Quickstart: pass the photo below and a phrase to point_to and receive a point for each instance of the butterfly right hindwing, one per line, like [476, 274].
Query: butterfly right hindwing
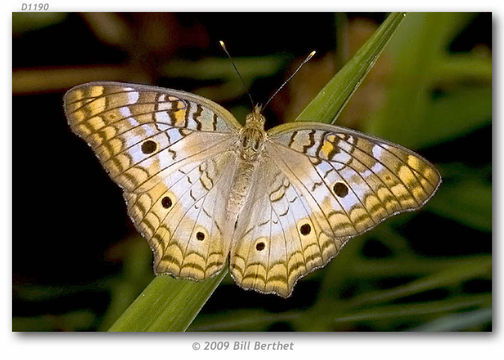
[279, 237]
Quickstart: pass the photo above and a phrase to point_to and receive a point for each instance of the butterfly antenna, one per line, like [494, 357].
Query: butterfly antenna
[310, 55]
[236, 69]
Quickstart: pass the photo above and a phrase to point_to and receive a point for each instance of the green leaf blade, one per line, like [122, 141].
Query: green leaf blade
[167, 304]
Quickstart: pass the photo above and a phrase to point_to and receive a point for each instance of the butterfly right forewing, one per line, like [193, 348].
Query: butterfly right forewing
[357, 180]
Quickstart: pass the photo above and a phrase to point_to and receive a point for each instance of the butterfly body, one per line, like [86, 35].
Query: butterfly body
[202, 189]
[250, 153]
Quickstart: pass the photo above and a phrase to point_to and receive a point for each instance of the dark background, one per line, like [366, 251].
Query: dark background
[77, 260]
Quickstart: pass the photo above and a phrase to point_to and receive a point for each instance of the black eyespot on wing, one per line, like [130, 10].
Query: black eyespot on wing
[305, 229]
[200, 236]
[260, 246]
[149, 146]
[166, 202]
[340, 189]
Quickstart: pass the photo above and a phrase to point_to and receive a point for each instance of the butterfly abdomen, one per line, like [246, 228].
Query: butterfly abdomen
[243, 178]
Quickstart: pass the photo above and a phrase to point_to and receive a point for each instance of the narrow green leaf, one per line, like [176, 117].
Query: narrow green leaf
[220, 68]
[387, 268]
[248, 319]
[29, 21]
[412, 310]
[464, 67]
[331, 100]
[258, 320]
[167, 304]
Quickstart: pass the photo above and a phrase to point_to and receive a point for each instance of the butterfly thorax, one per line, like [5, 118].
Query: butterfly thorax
[252, 136]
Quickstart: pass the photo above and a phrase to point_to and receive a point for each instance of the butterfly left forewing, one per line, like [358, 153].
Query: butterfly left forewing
[141, 134]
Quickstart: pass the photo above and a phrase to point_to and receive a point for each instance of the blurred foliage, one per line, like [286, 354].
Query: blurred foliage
[421, 64]
[428, 271]
[29, 21]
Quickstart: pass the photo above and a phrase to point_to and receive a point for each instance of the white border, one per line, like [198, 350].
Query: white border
[176, 346]
[262, 5]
